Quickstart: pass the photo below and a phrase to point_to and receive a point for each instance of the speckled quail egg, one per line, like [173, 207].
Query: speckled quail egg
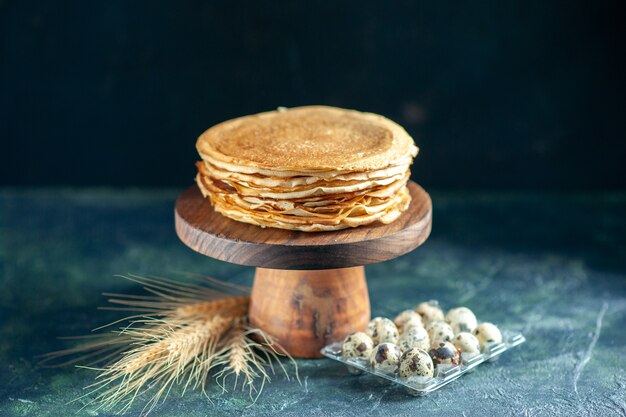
[357, 345]
[461, 319]
[487, 333]
[385, 357]
[466, 343]
[444, 353]
[415, 362]
[439, 330]
[382, 330]
[406, 319]
[411, 323]
[414, 337]
[429, 311]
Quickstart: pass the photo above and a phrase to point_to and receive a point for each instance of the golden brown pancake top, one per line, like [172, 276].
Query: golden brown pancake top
[308, 138]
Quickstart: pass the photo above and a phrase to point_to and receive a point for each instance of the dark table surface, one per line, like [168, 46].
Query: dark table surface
[550, 265]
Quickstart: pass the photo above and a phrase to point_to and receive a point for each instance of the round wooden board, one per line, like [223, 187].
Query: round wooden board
[208, 232]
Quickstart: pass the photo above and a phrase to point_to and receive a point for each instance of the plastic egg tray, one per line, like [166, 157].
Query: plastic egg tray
[444, 374]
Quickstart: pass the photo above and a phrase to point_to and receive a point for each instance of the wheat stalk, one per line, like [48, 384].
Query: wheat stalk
[239, 359]
[181, 332]
[163, 354]
[246, 353]
[175, 299]
[101, 348]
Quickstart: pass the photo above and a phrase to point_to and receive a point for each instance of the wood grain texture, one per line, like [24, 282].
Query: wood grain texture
[208, 232]
[307, 310]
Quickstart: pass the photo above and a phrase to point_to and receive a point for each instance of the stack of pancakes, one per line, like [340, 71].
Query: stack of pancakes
[310, 169]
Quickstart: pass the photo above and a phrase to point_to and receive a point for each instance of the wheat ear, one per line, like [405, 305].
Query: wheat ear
[246, 354]
[238, 358]
[162, 354]
[177, 336]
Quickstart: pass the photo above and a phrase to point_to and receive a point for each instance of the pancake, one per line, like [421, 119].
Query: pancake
[301, 224]
[319, 192]
[407, 160]
[308, 139]
[309, 169]
[299, 180]
[364, 206]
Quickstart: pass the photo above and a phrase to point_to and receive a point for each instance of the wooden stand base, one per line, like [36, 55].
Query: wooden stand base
[306, 310]
[315, 293]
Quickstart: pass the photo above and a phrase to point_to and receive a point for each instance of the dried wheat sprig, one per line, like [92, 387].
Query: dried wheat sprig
[178, 300]
[102, 348]
[200, 286]
[99, 348]
[179, 334]
[163, 353]
[183, 310]
[219, 284]
[238, 358]
[246, 353]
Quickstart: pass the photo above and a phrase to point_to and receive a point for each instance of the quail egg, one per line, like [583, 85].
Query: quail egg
[415, 362]
[385, 357]
[439, 330]
[466, 343]
[406, 319]
[444, 353]
[356, 345]
[429, 311]
[414, 337]
[382, 330]
[487, 333]
[461, 319]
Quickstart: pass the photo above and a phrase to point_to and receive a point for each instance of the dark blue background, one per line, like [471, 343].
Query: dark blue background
[497, 94]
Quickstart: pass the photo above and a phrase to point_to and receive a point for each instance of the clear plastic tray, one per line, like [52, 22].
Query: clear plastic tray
[443, 374]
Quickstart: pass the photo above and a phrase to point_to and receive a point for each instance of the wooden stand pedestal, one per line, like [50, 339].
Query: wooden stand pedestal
[309, 288]
[306, 310]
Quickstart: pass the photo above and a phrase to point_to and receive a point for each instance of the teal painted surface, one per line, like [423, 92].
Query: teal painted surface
[552, 266]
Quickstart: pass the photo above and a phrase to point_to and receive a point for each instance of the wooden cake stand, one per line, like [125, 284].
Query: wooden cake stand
[309, 288]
